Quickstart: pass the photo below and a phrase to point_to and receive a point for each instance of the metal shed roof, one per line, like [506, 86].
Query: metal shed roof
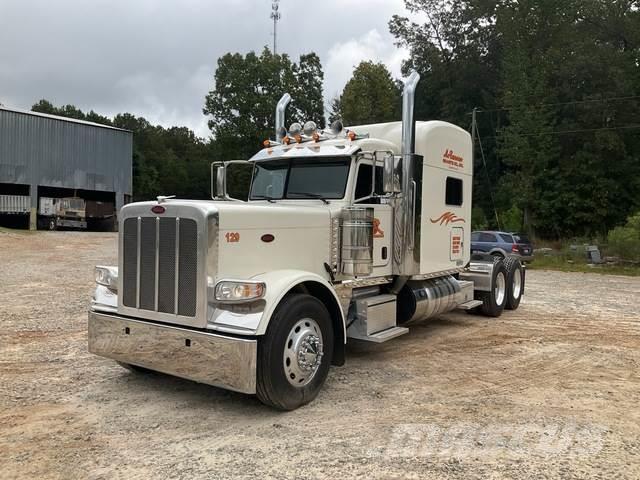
[57, 117]
[51, 151]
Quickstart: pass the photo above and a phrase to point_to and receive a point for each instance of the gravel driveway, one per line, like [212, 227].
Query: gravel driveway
[551, 390]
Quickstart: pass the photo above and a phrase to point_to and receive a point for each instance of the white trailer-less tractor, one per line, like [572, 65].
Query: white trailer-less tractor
[349, 234]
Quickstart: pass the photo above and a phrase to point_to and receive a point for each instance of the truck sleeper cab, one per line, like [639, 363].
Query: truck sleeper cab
[348, 234]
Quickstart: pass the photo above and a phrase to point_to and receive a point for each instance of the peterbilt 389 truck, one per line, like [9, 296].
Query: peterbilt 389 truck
[348, 234]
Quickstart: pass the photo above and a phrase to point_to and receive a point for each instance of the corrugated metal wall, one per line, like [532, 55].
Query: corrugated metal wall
[45, 151]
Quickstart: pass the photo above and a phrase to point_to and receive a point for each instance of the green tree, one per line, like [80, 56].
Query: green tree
[370, 96]
[542, 72]
[165, 161]
[247, 88]
[336, 110]
[44, 106]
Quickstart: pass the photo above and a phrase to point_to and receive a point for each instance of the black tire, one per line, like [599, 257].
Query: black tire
[497, 255]
[491, 306]
[273, 386]
[53, 224]
[134, 368]
[515, 290]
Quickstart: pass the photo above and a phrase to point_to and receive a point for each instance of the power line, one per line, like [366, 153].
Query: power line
[576, 102]
[569, 132]
[476, 135]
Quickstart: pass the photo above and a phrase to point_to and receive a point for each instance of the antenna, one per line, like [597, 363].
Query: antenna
[275, 16]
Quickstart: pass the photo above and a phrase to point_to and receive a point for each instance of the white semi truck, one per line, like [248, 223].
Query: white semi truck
[347, 234]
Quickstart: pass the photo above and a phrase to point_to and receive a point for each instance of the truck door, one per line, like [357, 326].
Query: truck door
[383, 216]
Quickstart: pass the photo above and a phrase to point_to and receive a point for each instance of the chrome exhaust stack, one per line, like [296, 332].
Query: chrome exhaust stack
[408, 124]
[407, 208]
[280, 111]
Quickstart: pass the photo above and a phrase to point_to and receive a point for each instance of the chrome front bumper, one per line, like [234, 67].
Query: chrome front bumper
[209, 358]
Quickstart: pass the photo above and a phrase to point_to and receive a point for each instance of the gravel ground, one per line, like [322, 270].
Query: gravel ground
[549, 391]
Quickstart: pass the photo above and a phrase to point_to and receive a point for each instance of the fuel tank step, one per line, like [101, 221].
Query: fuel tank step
[383, 336]
[470, 305]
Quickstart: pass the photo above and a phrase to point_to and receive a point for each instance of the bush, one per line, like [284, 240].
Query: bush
[478, 219]
[512, 219]
[625, 241]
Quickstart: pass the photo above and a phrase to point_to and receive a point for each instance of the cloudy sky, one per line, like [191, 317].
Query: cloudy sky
[156, 58]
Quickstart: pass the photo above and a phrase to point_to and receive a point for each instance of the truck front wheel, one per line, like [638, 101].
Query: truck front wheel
[294, 356]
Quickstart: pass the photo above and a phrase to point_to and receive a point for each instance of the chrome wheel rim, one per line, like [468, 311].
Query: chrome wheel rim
[303, 352]
[517, 283]
[499, 290]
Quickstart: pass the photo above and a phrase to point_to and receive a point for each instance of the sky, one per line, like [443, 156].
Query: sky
[157, 58]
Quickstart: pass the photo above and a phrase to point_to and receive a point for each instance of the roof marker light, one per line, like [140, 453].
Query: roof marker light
[295, 129]
[310, 128]
[336, 127]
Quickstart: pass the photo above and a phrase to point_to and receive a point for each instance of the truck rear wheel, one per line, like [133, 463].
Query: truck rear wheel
[494, 301]
[515, 282]
[53, 224]
[294, 356]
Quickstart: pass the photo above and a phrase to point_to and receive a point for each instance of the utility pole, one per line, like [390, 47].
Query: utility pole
[275, 16]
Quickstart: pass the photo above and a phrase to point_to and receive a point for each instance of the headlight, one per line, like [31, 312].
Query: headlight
[107, 276]
[232, 291]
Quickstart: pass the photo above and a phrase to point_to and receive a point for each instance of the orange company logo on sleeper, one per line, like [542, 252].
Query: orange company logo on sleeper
[451, 159]
[446, 218]
[377, 231]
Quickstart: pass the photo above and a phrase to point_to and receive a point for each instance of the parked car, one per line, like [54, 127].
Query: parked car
[502, 244]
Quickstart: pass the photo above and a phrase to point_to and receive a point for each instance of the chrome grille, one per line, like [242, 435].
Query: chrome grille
[160, 265]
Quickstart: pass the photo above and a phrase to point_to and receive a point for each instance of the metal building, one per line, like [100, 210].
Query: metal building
[39, 151]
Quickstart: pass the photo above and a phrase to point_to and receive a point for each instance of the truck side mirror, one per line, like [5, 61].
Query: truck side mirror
[392, 173]
[218, 181]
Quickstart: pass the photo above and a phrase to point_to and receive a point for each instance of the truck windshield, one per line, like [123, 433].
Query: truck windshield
[321, 178]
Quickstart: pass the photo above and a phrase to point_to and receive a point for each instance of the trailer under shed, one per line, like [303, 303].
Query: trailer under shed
[46, 155]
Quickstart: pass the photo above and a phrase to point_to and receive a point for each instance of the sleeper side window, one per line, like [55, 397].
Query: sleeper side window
[453, 193]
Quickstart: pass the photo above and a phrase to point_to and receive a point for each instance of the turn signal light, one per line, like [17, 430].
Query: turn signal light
[298, 138]
[266, 143]
[286, 140]
[316, 137]
[351, 135]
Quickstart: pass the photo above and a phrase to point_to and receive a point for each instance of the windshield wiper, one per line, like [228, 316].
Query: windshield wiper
[263, 197]
[310, 195]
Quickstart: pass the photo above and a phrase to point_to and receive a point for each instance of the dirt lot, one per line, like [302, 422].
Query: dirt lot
[549, 391]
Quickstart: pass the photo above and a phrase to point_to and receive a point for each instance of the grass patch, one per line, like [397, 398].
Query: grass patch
[570, 263]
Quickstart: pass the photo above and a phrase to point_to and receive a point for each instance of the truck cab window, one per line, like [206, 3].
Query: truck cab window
[363, 182]
[269, 179]
[322, 178]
